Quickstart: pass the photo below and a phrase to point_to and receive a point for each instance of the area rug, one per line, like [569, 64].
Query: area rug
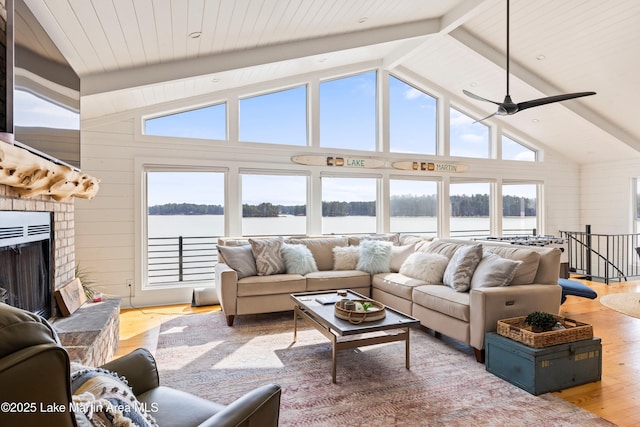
[444, 387]
[626, 302]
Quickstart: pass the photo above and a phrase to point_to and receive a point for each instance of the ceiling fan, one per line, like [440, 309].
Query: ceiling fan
[508, 107]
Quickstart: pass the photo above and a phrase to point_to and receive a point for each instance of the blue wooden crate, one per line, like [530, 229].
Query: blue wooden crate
[542, 370]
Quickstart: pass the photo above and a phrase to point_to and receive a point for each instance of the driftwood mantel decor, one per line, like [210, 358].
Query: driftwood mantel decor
[31, 175]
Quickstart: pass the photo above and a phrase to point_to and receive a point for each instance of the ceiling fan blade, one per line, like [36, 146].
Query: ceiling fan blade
[551, 99]
[478, 98]
[489, 116]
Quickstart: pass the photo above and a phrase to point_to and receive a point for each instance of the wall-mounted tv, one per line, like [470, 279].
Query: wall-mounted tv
[46, 97]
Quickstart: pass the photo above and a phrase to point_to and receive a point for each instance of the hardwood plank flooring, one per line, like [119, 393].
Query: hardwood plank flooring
[616, 397]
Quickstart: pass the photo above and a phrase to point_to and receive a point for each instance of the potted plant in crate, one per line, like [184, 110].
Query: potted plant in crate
[541, 321]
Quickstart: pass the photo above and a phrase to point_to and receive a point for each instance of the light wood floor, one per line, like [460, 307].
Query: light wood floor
[615, 398]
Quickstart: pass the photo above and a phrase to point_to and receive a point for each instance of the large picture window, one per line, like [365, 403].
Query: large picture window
[276, 118]
[274, 204]
[348, 112]
[185, 216]
[348, 205]
[512, 150]
[412, 119]
[413, 206]
[206, 123]
[467, 139]
[519, 209]
[470, 209]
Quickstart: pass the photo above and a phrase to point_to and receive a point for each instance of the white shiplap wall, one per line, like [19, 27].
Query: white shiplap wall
[607, 196]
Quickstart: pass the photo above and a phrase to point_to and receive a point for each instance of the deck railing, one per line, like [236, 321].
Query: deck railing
[188, 259]
[606, 257]
[181, 259]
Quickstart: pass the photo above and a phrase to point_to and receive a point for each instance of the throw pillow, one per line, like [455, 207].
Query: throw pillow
[345, 257]
[268, 257]
[525, 274]
[461, 267]
[399, 255]
[321, 248]
[375, 256]
[425, 266]
[494, 270]
[298, 259]
[107, 397]
[240, 258]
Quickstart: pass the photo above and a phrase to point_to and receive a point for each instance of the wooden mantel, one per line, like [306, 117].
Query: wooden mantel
[31, 175]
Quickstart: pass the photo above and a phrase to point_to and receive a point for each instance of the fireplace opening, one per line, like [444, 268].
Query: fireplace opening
[25, 261]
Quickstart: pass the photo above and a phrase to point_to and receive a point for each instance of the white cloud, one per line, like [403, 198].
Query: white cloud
[413, 93]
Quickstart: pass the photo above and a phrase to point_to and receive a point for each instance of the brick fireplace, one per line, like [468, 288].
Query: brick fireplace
[63, 243]
[91, 334]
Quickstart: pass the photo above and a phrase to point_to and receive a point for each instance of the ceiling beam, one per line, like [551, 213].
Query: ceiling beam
[187, 69]
[451, 20]
[544, 86]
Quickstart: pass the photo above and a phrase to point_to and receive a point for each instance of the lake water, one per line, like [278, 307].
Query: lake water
[213, 225]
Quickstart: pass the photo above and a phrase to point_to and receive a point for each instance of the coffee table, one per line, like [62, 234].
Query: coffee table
[345, 335]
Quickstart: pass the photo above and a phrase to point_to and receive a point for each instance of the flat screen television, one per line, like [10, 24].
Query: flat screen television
[43, 109]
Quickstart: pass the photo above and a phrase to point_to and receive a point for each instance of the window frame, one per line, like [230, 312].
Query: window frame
[538, 222]
[377, 110]
[535, 151]
[145, 169]
[437, 121]
[307, 124]
[490, 131]
[144, 119]
[437, 182]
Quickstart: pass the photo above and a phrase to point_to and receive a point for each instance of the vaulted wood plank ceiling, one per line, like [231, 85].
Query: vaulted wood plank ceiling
[132, 54]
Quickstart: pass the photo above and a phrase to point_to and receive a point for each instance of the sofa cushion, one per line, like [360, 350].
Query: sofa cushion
[526, 272]
[298, 259]
[444, 300]
[461, 267]
[394, 238]
[440, 247]
[409, 239]
[268, 257]
[345, 257]
[321, 248]
[375, 256]
[396, 284]
[399, 255]
[240, 258]
[337, 279]
[272, 284]
[428, 267]
[494, 270]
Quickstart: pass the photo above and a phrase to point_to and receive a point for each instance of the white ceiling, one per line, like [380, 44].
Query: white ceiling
[135, 53]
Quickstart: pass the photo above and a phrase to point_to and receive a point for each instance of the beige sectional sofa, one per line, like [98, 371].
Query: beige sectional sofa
[404, 272]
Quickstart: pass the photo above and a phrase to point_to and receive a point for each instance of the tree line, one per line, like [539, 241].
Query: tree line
[404, 205]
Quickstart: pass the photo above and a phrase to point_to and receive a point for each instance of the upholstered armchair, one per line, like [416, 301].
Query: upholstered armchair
[36, 390]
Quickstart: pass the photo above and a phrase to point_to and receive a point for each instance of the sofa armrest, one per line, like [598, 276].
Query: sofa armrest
[488, 305]
[259, 407]
[227, 288]
[139, 368]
